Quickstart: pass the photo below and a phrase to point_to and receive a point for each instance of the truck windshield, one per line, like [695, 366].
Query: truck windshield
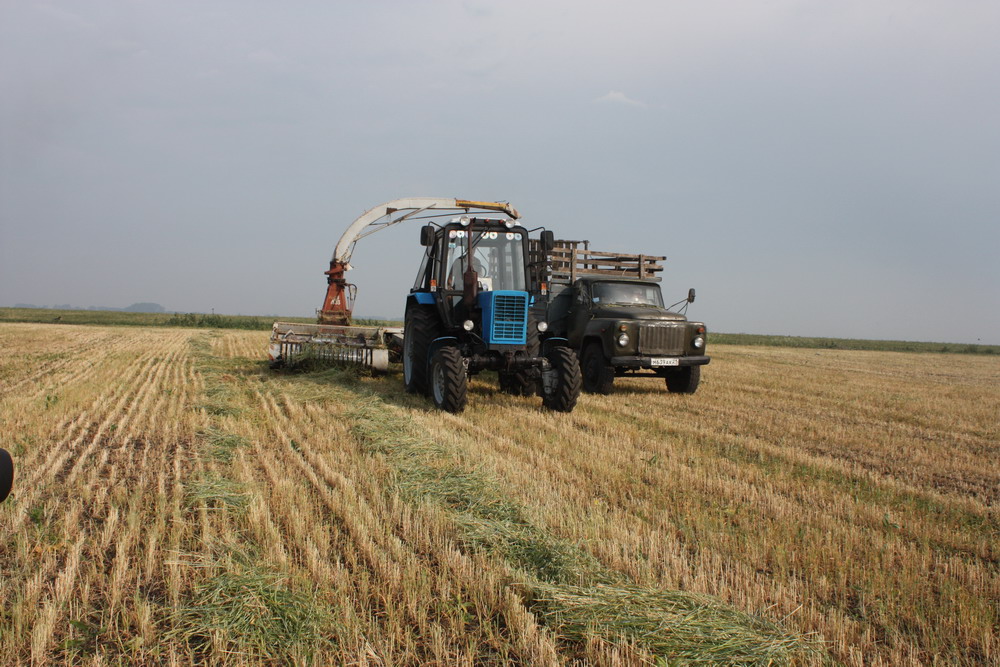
[497, 256]
[627, 294]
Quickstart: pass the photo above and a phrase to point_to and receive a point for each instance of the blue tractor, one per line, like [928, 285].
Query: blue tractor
[475, 307]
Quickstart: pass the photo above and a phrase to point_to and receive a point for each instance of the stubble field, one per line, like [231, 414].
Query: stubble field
[176, 502]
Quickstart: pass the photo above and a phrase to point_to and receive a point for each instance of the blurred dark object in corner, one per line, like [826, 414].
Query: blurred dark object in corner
[6, 474]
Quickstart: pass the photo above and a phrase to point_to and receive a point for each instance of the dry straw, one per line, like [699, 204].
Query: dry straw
[565, 586]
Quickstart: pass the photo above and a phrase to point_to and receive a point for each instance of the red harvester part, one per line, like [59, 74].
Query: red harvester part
[339, 302]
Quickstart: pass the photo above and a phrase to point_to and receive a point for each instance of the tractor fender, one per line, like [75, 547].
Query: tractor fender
[554, 341]
[415, 299]
[437, 344]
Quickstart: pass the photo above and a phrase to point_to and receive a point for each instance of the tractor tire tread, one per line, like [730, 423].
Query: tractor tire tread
[420, 329]
[453, 393]
[563, 398]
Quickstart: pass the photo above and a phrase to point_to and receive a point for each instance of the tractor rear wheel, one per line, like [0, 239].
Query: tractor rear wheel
[562, 396]
[449, 381]
[684, 381]
[598, 376]
[419, 329]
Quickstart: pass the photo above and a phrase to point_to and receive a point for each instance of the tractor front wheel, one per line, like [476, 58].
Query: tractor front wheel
[449, 381]
[561, 394]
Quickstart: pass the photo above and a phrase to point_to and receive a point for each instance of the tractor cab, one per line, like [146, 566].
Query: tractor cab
[475, 271]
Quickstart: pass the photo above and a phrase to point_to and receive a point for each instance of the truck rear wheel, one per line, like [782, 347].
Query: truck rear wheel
[562, 394]
[420, 328]
[598, 376]
[684, 381]
[449, 381]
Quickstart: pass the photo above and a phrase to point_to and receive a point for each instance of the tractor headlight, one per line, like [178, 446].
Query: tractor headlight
[464, 220]
[543, 327]
[509, 224]
[623, 340]
[468, 325]
[698, 342]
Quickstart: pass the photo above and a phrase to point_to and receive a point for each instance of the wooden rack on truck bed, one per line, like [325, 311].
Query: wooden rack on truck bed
[569, 260]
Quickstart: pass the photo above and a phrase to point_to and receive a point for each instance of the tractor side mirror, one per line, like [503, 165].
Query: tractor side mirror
[548, 241]
[427, 235]
[691, 295]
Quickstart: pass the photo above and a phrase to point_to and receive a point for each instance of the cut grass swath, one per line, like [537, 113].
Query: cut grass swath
[251, 612]
[567, 587]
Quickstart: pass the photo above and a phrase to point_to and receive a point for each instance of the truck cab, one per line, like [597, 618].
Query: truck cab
[609, 308]
[620, 326]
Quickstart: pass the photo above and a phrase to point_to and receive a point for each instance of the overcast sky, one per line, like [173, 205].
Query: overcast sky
[812, 168]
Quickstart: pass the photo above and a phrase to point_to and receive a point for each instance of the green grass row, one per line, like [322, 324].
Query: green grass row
[263, 323]
[850, 344]
[121, 318]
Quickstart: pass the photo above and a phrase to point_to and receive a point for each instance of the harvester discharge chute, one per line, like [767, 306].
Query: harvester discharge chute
[334, 338]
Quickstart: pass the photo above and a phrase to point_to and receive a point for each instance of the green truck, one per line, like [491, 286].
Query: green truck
[609, 308]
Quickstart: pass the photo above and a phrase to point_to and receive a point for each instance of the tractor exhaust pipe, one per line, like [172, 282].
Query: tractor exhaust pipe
[470, 279]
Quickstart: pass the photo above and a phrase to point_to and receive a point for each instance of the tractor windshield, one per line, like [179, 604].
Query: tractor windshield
[627, 294]
[497, 256]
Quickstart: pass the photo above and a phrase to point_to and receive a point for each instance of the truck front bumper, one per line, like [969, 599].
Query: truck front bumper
[647, 362]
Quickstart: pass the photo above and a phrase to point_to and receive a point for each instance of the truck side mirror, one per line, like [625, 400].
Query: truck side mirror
[691, 295]
[427, 235]
[548, 241]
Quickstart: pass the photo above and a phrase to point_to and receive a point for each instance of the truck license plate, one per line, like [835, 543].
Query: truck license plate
[666, 361]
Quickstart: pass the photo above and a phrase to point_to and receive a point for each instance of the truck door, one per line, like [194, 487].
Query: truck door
[579, 315]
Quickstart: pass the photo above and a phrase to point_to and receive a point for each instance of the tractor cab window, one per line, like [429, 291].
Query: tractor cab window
[627, 294]
[497, 256]
[422, 277]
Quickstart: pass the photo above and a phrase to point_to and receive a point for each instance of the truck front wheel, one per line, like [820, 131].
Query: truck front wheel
[684, 381]
[449, 381]
[561, 392]
[598, 376]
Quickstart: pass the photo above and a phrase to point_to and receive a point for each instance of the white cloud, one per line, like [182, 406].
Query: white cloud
[618, 97]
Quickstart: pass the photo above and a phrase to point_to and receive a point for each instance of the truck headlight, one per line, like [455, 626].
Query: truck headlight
[623, 340]
[543, 327]
[468, 325]
[698, 342]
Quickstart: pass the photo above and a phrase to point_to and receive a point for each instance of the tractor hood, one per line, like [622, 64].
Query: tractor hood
[636, 313]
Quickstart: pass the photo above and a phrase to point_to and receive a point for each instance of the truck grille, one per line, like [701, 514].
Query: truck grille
[510, 316]
[661, 338]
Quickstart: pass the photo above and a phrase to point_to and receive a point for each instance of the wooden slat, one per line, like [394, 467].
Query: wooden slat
[569, 260]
